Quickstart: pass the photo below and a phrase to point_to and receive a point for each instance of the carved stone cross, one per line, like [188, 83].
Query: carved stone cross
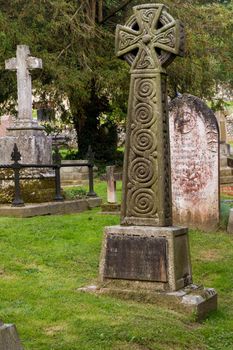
[149, 42]
[23, 63]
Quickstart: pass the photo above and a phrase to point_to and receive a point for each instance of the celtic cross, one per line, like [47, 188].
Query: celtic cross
[149, 42]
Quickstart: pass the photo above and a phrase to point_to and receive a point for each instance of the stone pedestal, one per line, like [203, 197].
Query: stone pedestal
[35, 147]
[9, 339]
[152, 264]
[155, 258]
[111, 208]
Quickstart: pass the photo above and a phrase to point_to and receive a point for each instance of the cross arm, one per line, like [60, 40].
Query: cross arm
[126, 40]
[170, 38]
[34, 62]
[11, 64]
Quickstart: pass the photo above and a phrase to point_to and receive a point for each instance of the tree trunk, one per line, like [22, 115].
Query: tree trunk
[93, 10]
[100, 11]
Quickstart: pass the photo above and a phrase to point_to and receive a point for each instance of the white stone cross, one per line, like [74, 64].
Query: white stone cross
[23, 63]
[111, 184]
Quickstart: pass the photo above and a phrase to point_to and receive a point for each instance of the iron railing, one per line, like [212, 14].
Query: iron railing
[16, 166]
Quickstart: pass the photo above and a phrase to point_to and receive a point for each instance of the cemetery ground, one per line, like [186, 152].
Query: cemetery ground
[44, 260]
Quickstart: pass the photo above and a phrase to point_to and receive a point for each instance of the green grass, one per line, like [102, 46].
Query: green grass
[100, 189]
[44, 260]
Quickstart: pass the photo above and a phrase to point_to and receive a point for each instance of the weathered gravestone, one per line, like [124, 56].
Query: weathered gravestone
[111, 177]
[9, 339]
[194, 139]
[147, 256]
[34, 146]
[226, 172]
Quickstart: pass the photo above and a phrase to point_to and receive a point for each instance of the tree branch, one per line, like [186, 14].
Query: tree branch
[121, 7]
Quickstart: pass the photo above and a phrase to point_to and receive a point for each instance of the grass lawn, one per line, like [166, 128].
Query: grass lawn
[44, 260]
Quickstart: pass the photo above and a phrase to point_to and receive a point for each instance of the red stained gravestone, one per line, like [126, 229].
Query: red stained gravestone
[194, 138]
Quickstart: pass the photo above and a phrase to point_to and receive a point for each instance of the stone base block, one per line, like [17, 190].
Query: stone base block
[195, 300]
[50, 208]
[33, 190]
[145, 258]
[9, 339]
[111, 208]
[35, 147]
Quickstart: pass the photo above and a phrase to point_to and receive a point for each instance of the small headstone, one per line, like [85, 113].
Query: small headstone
[111, 184]
[9, 339]
[111, 207]
[194, 163]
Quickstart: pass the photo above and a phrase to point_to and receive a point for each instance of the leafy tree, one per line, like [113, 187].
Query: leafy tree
[75, 39]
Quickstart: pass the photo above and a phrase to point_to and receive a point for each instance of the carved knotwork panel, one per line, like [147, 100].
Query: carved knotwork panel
[150, 38]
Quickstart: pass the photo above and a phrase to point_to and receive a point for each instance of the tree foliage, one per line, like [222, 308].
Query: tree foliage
[75, 39]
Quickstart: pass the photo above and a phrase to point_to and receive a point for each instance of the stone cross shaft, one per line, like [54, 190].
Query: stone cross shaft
[23, 63]
[149, 42]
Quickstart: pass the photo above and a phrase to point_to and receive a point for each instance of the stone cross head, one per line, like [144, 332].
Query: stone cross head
[22, 64]
[151, 38]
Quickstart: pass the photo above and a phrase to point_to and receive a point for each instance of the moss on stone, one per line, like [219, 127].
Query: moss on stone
[32, 190]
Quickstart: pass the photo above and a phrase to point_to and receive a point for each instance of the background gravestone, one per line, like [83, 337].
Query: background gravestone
[9, 339]
[194, 139]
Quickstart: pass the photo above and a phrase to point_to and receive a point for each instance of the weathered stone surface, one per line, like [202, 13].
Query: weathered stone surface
[221, 119]
[75, 175]
[146, 255]
[229, 127]
[22, 64]
[5, 122]
[111, 208]
[9, 339]
[50, 208]
[33, 190]
[35, 147]
[230, 222]
[146, 178]
[194, 300]
[111, 184]
[194, 163]
[136, 258]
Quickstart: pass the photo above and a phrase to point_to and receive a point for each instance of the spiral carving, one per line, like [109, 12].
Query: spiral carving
[143, 140]
[141, 171]
[144, 114]
[145, 88]
[143, 203]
